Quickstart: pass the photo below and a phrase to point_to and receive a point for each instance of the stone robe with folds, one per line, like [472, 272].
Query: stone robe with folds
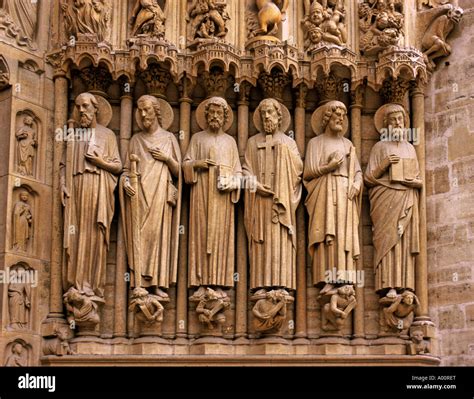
[270, 221]
[89, 211]
[394, 209]
[211, 223]
[158, 214]
[333, 236]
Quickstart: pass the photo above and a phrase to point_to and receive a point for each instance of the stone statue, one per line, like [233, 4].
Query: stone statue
[146, 307]
[342, 301]
[272, 160]
[270, 310]
[418, 346]
[88, 181]
[24, 15]
[82, 309]
[324, 23]
[26, 146]
[211, 306]
[212, 168]
[148, 19]
[4, 79]
[434, 42]
[17, 357]
[381, 25]
[333, 179]
[208, 19]
[19, 301]
[393, 178]
[59, 345]
[87, 17]
[264, 16]
[150, 197]
[398, 312]
[22, 222]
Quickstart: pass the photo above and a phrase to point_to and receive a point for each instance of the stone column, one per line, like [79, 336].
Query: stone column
[120, 316]
[301, 291]
[421, 277]
[241, 296]
[357, 100]
[182, 283]
[60, 120]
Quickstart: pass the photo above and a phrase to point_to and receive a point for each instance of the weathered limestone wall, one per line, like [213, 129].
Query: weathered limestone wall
[450, 173]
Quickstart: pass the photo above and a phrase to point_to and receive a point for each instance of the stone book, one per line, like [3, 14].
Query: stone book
[405, 170]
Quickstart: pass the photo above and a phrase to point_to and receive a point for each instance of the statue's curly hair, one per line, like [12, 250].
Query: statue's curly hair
[155, 103]
[222, 103]
[331, 108]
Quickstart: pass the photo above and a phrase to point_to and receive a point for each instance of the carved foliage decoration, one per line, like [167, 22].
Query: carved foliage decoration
[207, 20]
[4, 74]
[88, 18]
[156, 80]
[381, 25]
[96, 79]
[273, 84]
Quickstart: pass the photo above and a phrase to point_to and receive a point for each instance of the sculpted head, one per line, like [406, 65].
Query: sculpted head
[333, 119]
[28, 120]
[24, 196]
[408, 297]
[346, 290]
[417, 336]
[17, 348]
[271, 114]
[455, 14]
[216, 113]
[316, 13]
[87, 106]
[394, 118]
[149, 111]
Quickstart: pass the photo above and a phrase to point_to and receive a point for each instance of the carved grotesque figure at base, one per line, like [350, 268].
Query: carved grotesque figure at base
[211, 305]
[59, 345]
[398, 312]
[270, 310]
[82, 310]
[334, 313]
[418, 346]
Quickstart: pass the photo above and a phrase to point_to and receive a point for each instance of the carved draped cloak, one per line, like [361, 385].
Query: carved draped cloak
[158, 218]
[270, 221]
[394, 210]
[24, 13]
[332, 216]
[22, 220]
[89, 212]
[211, 220]
[25, 150]
[18, 299]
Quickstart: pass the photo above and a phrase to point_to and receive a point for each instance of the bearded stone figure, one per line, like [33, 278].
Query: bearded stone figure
[333, 179]
[88, 180]
[273, 162]
[393, 178]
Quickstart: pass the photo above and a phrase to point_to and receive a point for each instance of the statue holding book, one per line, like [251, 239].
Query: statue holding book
[393, 178]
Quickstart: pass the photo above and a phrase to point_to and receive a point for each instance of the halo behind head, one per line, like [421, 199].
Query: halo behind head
[386, 109]
[285, 115]
[104, 109]
[201, 113]
[167, 114]
[317, 118]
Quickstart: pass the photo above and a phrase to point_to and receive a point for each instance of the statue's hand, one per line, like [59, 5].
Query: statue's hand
[415, 183]
[129, 190]
[202, 164]
[263, 191]
[64, 194]
[96, 160]
[392, 158]
[353, 192]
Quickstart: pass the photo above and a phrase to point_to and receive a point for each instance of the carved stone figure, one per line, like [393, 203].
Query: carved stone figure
[324, 23]
[24, 15]
[212, 168]
[211, 306]
[393, 178]
[208, 19]
[22, 222]
[333, 179]
[82, 309]
[150, 197]
[398, 311]
[270, 310]
[18, 355]
[19, 300]
[273, 162]
[87, 17]
[434, 43]
[418, 346]
[264, 16]
[148, 19]
[59, 345]
[4, 80]
[147, 307]
[342, 301]
[88, 181]
[381, 25]
[26, 146]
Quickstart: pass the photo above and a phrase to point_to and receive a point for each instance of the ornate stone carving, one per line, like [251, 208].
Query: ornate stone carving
[19, 298]
[82, 309]
[274, 166]
[156, 79]
[211, 305]
[324, 23]
[264, 16]
[147, 19]
[337, 304]
[418, 346]
[4, 80]
[208, 20]
[18, 19]
[394, 90]
[270, 310]
[330, 88]
[381, 25]
[22, 222]
[216, 82]
[59, 345]
[434, 43]
[98, 80]
[26, 137]
[87, 17]
[333, 178]
[150, 198]
[88, 178]
[393, 178]
[273, 84]
[148, 311]
[398, 312]
[16, 354]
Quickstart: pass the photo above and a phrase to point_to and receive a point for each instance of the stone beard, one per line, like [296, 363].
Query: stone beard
[212, 159]
[272, 158]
